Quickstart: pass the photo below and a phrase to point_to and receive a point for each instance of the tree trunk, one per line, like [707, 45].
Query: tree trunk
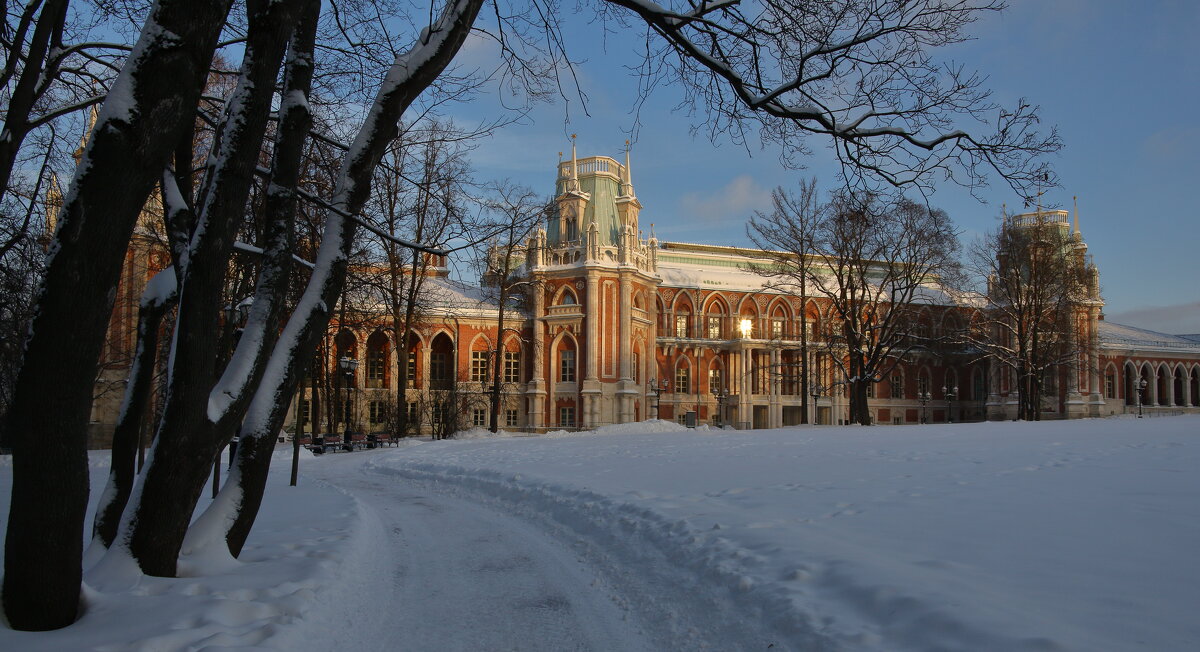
[193, 430]
[129, 148]
[498, 362]
[133, 411]
[304, 329]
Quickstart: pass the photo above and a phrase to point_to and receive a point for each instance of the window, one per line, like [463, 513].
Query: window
[412, 367]
[305, 412]
[412, 409]
[510, 418]
[714, 327]
[441, 413]
[1110, 384]
[572, 229]
[777, 328]
[870, 389]
[512, 366]
[566, 366]
[681, 380]
[978, 385]
[566, 416]
[681, 325]
[479, 366]
[714, 380]
[376, 364]
[922, 384]
[478, 417]
[377, 412]
[437, 367]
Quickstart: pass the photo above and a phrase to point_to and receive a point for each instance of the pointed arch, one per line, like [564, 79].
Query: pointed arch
[379, 352]
[779, 311]
[718, 377]
[442, 373]
[1110, 381]
[565, 363]
[565, 296]
[682, 375]
[716, 322]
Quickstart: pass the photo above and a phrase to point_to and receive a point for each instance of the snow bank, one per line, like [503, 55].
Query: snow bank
[305, 566]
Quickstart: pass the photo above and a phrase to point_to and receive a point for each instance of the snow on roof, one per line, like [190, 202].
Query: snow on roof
[685, 265]
[1113, 335]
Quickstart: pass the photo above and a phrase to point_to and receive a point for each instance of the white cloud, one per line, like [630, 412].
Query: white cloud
[735, 201]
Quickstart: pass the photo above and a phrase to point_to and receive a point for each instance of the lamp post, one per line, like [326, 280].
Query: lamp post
[950, 395]
[720, 394]
[1140, 386]
[654, 387]
[348, 366]
[815, 392]
[924, 398]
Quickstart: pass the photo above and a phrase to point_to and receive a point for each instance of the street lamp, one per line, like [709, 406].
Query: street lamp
[924, 398]
[1140, 386]
[950, 395]
[348, 366]
[654, 387]
[816, 394]
[720, 394]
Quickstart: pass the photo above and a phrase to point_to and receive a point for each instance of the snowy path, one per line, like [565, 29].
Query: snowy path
[471, 578]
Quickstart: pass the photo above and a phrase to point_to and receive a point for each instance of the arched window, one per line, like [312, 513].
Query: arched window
[441, 362]
[567, 298]
[715, 381]
[682, 386]
[377, 359]
[682, 317]
[1195, 387]
[979, 387]
[715, 322]
[512, 362]
[778, 324]
[896, 384]
[566, 361]
[479, 361]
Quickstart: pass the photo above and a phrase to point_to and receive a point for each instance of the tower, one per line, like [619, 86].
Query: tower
[593, 299]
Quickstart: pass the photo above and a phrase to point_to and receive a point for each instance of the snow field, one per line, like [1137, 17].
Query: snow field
[999, 536]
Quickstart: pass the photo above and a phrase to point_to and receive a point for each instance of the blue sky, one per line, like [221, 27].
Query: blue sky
[1121, 80]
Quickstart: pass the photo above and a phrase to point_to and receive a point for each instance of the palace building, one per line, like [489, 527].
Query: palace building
[621, 327]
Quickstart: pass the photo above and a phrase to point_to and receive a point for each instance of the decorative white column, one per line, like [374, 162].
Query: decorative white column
[1096, 399]
[591, 381]
[775, 412]
[626, 390]
[536, 392]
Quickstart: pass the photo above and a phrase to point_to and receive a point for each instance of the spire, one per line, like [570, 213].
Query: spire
[628, 173]
[573, 183]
